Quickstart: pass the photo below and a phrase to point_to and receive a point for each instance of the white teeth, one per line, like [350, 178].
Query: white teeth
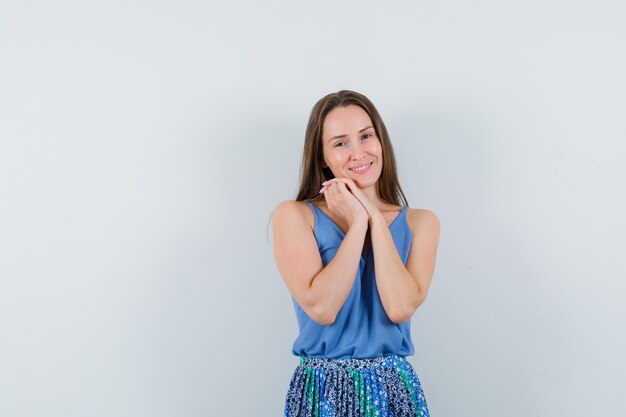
[360, 168]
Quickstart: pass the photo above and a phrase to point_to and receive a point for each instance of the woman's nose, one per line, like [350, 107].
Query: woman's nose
[358, 151]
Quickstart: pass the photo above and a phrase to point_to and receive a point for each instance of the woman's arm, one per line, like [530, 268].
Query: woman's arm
[320, 291]
[403, 289]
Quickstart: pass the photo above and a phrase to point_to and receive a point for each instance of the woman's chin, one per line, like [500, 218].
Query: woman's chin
[362, 185]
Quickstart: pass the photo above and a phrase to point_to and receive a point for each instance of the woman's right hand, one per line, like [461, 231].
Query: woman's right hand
[344, 204]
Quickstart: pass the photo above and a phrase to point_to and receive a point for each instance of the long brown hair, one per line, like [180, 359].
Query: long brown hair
[311, 172]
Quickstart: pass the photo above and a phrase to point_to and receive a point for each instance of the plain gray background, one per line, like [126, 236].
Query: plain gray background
[144, 145]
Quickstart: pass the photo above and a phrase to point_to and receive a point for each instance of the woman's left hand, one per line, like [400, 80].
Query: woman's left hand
[356, 191]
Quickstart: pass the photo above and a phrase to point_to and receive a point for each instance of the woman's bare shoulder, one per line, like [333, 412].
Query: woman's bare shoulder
[291, 205]
[294, 210]
[421, 217]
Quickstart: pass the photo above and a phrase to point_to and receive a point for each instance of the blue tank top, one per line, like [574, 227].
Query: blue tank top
[361, 328]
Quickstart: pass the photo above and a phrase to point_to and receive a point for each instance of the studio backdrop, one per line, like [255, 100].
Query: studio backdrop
[144, 145]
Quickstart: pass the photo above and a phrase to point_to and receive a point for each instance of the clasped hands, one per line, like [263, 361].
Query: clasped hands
[349, 185]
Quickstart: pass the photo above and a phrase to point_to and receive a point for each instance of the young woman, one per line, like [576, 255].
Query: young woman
[357, 263]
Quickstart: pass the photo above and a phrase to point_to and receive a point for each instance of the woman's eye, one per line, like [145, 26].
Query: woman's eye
[365, 136]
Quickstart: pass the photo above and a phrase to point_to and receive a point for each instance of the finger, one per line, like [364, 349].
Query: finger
[345, 180]
[347, 186]
[326, 186]
[335, 189]
[342, 189]
[347, 193]
[332, 195]
[334, 180]
[329, 193]
[330, 181]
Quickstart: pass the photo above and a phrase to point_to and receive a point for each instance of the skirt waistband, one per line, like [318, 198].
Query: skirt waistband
[353, 363]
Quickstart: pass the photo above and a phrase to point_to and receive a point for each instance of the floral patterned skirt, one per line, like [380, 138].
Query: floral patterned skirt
[385, 386]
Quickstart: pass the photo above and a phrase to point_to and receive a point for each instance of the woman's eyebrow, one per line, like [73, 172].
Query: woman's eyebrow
[344, 135]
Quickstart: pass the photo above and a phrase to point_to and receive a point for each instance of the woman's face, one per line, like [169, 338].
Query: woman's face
[349, 141]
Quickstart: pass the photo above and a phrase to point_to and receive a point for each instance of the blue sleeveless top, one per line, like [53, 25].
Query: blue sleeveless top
[361, 328]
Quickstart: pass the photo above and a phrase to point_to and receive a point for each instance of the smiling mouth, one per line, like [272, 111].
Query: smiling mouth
[362, 169]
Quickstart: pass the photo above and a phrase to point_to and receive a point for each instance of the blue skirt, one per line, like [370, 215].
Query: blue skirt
[385, 386]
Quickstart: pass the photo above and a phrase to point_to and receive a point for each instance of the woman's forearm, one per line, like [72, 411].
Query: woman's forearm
[397, 289]
[331, 286]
